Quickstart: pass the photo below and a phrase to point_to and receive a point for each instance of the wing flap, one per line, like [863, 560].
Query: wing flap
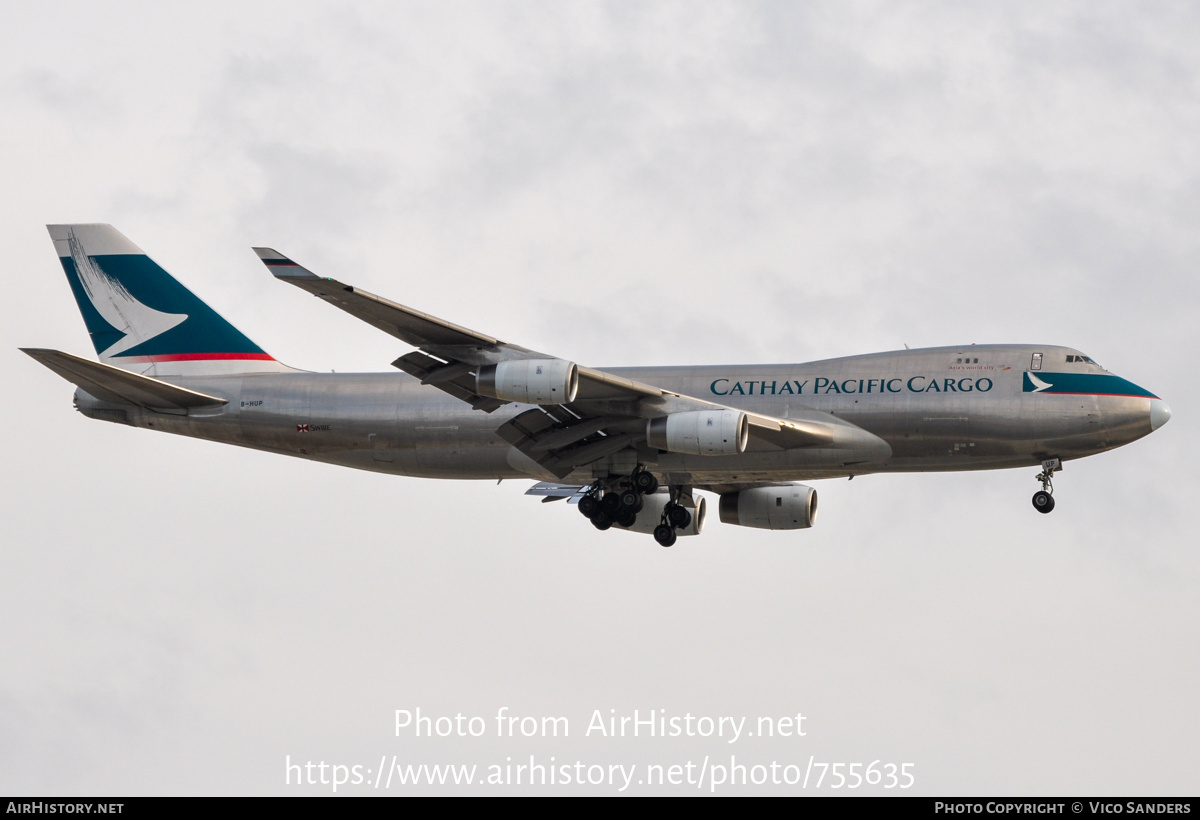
[562, 444]
[566, 436]
[115, 384]
[523, 431]
[455, 378]
[557, 492]
[583, 454]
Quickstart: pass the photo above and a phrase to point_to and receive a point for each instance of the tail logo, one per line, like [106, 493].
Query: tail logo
[117, 306]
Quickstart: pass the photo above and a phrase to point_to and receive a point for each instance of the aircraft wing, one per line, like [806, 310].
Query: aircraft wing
[449, 354]
[412, 326]
[606, 414]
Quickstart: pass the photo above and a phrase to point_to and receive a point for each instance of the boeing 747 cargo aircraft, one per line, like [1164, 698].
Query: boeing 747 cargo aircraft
[631, 447]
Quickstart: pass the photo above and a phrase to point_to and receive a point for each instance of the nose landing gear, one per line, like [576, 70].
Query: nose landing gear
[1043, 500]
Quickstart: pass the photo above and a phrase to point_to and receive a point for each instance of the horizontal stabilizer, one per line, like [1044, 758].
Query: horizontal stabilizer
[115, 384]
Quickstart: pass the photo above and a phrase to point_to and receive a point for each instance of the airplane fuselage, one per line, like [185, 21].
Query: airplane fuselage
[952, 408]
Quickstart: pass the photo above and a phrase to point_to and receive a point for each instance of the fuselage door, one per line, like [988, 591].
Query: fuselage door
[1036, 363]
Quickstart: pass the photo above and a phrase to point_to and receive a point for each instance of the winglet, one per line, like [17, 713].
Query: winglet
[281, 266]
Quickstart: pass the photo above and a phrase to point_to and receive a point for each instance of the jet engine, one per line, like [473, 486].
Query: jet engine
[700, 432]
[791, 507]
[529, 381]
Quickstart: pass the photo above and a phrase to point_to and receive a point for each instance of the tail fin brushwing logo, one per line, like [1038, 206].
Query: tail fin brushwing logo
[117, 306]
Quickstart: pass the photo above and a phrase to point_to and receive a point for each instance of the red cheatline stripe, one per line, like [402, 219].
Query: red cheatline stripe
[198, 357]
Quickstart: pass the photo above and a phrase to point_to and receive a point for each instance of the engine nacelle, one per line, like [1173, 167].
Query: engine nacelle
[530, 381]
[792, 507]
[700, 432]
[652, 510]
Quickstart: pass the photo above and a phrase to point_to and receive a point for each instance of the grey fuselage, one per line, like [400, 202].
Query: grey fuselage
[967, 408]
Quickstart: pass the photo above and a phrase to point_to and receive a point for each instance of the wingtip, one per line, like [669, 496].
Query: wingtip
[38, 353]
[281, 266]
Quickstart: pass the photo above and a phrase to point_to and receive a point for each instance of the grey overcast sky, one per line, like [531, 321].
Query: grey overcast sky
[618, 183]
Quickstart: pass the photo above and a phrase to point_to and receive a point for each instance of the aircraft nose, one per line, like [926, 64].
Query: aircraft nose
[1160, 414]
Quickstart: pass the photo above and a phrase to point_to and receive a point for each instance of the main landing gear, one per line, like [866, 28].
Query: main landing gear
[618, 501]
[674, 517]
[1043, 500]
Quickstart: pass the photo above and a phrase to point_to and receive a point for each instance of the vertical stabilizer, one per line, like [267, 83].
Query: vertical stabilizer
[140, 318]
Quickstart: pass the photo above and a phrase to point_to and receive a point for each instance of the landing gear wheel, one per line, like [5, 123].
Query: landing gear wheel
[602, 520]
[1043, 502]
[631, 500]
[626, 518]
[611, 503]
[679, 516]
[588, 505]
[645, 483]
[664, 534]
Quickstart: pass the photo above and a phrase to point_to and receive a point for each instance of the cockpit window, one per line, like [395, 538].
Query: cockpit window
[1073, 358]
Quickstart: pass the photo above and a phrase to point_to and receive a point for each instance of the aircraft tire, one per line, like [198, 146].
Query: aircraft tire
[664, 534]
[1043, 502]
[588, 505]
[645, 483]
[679, 517]
[602, 520]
